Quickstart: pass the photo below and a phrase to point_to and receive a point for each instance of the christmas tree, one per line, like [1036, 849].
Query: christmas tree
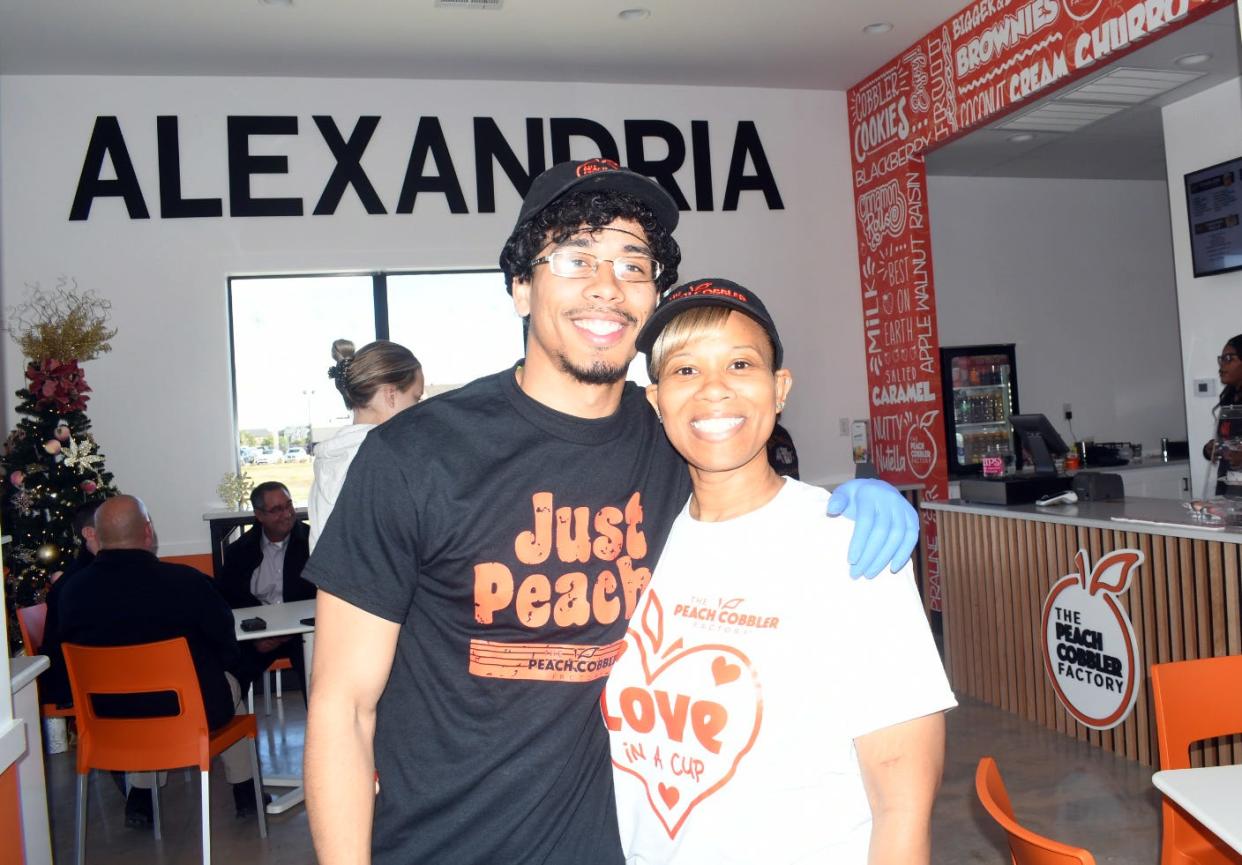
[51, 462]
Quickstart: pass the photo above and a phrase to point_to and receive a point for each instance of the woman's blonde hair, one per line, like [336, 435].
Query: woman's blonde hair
[687, 327]
[358, 375]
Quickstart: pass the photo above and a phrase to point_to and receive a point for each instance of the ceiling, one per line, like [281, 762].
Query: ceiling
[810, 44]
[1128, 145]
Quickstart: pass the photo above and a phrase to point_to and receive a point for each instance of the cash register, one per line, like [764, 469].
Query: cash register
[1041, 441]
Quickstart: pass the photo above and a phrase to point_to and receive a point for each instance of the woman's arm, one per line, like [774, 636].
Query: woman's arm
[901, 767]
[353, 657]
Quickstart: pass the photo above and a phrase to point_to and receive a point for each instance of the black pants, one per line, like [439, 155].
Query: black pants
[255, 663]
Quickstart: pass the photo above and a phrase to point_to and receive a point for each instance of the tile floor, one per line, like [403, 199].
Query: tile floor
[1061, 787]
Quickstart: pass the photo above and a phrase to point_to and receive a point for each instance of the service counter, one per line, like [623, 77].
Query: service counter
[999, 563]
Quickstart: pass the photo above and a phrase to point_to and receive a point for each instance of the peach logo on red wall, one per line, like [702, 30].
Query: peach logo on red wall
[1081, 10]
[921, 450]
[1090, 652]
[686, 727]
[595, 166]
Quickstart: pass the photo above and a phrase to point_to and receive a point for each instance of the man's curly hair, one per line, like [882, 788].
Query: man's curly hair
[566, 216]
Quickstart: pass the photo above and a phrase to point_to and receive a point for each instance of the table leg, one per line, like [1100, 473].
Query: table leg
[297, 793]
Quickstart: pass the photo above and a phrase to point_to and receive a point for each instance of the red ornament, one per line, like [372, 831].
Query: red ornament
[58, 385]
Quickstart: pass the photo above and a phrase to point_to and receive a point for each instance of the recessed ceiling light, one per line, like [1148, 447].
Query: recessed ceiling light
[878, 27]
[634, 14]
[1193, 60]
[1022, 137]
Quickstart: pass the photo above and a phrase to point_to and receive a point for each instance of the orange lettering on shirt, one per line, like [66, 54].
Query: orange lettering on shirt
[532, 607]
[633, 581]
[637, 709]
[674, 716]
[604, 602]
[708, 720]
[493, 590]
[609, 538]
[572, 607]
[635, 540]
[533, 547]
[573, 544]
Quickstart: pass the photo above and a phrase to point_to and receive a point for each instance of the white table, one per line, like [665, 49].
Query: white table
[1212, 795]
[282, 620]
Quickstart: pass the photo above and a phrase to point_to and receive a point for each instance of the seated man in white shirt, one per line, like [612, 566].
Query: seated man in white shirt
[264, 566]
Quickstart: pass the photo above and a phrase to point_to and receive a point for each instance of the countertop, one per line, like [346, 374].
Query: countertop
[1168, 517]
[23, 670]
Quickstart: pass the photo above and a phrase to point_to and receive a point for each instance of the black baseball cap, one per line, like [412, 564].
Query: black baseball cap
[712, 291]
[593, 174]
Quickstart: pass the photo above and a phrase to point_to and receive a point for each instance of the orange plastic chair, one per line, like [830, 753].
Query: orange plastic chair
[150, 744]
[276, 668]
[1025, 847]
[31, 621]
[1194, 700]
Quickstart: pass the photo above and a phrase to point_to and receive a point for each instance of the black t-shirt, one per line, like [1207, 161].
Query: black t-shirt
[511, 542]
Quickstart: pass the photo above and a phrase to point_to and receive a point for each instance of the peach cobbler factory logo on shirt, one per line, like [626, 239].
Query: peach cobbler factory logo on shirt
[575, 568]
[730, 615]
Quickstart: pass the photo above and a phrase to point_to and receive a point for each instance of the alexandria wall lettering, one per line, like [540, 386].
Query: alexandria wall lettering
[431, 169]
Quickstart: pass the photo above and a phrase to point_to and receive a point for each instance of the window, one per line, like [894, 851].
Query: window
[460, 326]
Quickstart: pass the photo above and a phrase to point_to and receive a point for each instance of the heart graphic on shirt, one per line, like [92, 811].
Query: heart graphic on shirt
[724, 672]
[686, 730]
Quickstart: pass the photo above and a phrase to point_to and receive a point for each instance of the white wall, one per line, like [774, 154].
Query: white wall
[1077, 273]
[1199, 131]
[161, 406]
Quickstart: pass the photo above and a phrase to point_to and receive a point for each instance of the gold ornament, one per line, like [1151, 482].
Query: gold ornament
[234, 489]
[62, 323]
[47, 554]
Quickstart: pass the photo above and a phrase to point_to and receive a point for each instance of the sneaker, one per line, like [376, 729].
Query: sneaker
[138, 811]
[243, 798]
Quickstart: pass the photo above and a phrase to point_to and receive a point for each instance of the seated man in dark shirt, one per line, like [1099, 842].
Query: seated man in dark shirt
[127, 596]
[54, 684]
[264, 566]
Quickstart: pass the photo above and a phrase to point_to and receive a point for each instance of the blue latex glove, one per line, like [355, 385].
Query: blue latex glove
[886, 526]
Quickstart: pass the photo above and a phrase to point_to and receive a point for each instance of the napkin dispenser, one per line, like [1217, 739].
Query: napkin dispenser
[1098, 486]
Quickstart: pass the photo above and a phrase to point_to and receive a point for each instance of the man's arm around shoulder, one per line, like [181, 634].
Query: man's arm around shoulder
[353, 656]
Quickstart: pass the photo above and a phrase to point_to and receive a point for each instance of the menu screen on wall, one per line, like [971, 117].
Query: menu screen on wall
[1215, 210]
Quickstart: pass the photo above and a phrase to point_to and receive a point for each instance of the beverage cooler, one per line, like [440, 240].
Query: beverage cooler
[980, 387]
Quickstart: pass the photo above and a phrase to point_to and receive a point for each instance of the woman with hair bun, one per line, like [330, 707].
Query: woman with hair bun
[377, 381]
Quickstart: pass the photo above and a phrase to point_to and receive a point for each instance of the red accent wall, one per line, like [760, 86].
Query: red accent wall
[988, 60]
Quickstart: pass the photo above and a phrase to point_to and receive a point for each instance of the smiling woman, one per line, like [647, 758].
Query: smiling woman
[750, 587]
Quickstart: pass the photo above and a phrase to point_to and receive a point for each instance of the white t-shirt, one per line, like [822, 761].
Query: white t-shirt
[751, 664]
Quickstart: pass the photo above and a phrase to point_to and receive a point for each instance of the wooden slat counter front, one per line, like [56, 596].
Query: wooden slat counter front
[998, 564]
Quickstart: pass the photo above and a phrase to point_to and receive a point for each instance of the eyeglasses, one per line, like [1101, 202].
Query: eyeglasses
[583, 265]
[283, 508]
[1223, 359]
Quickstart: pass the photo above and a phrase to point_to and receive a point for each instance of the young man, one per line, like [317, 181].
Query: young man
[484, 557]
